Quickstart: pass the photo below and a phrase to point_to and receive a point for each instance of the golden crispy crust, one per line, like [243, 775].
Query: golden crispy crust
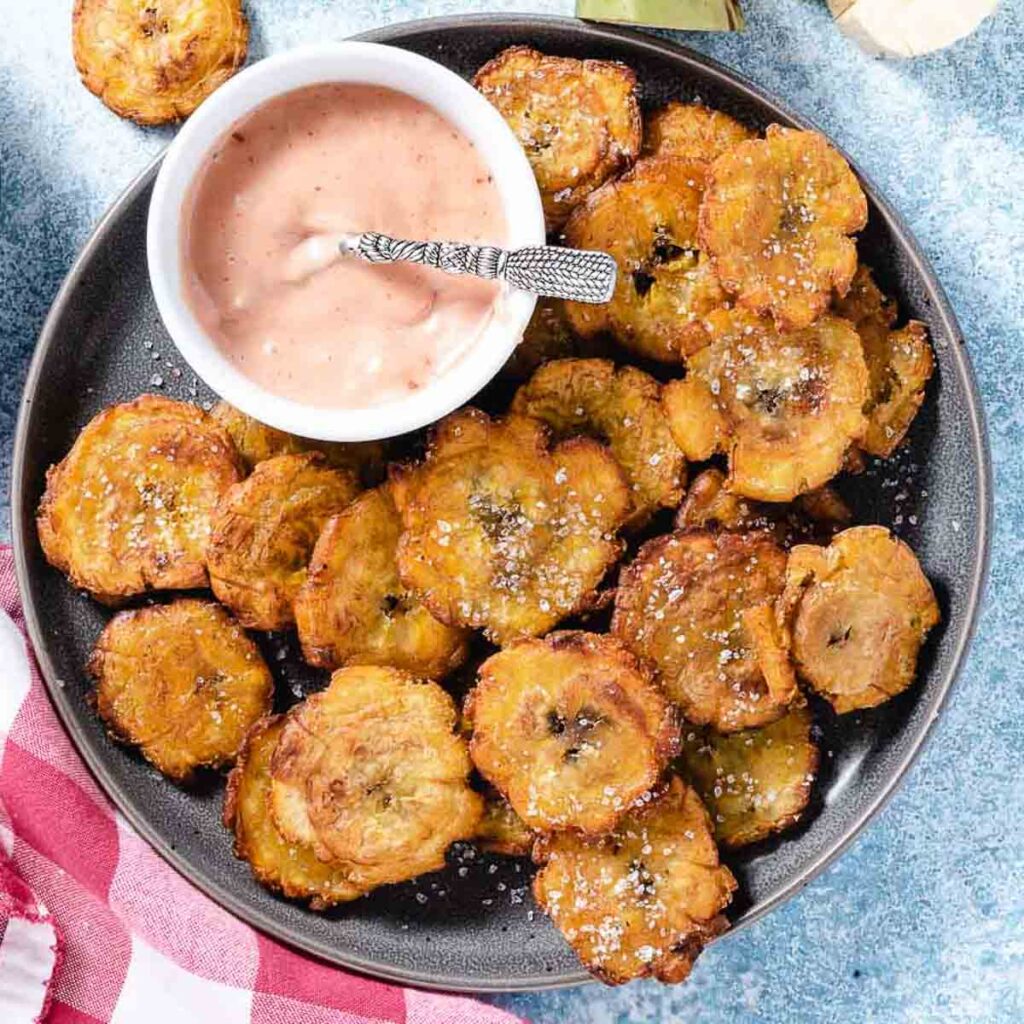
[264, 532]
[700, 606]
[621, 406]
[291, 869]
[571, 729]
[157, 61]
[577, 120]
[900, 363]
[256, 442]
[784, 408]
[353, 609]
[371, 772]
[503, 534]
[129, 508]
[693, 132]
[756, 782]
[776, 218]
[813, 517]
[858, 612]
[647, 220]
[644, 900]
[501, 830]
[182, 682]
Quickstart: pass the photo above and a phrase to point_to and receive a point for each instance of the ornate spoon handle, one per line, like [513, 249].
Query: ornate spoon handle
[576, 274]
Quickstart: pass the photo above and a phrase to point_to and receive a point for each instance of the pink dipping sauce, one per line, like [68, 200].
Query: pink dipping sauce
[321, 161]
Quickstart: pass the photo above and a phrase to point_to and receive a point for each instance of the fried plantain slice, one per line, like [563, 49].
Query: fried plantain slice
[157, 61]
[264, 531]
[644, 900]
[501, 533]
[647, 220]
[182, 682]
[785, 408]
[353, 609]
[813, 517]
[700, 607]
[754, 782]
[501, 830]
[858, 612]
[900, 363]
[620, 406]
[577, 120]
[693, 132]
[256, 442]
[129, 508]
[371, 772]
[776, 219]
[289, 868]
[571, 729]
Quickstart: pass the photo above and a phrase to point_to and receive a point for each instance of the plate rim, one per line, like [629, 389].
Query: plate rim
[23, 533]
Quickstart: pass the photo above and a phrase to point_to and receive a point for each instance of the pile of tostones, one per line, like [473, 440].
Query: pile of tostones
[631, 715]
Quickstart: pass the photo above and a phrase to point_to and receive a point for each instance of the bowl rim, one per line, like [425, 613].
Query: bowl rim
[354, 61]
[23, 533]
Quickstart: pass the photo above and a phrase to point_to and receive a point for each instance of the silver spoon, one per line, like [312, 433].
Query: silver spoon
[576, 274]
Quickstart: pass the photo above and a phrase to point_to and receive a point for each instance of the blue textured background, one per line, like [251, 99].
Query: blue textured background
[923, 920]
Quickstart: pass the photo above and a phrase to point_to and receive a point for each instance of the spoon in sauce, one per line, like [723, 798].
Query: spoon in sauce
[579, 275]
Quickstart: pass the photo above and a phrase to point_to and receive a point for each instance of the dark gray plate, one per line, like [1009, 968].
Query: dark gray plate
[470, 927]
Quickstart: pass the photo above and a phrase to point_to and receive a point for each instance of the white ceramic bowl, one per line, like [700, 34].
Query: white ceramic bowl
[373, 64]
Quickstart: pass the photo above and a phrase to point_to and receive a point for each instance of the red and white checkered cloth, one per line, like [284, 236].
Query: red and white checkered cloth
[95, 927]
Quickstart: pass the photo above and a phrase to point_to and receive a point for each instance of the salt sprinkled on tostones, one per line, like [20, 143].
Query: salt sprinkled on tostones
[571, 729]
[693, 132]
[900, 363]
[157, 61]
[753, 783]
[776, 220]
[371, 772]
[256, 442]
[858, 612]
[353, 609]
[182, 682]
[647, 220]
[701, 608]
[813, 517]
[503, 534]
[291, 869]
[264, 532]
[577, 120]
[501, 830]
[784, 408]
[130, 507]
[620, 406]
[643, 901]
